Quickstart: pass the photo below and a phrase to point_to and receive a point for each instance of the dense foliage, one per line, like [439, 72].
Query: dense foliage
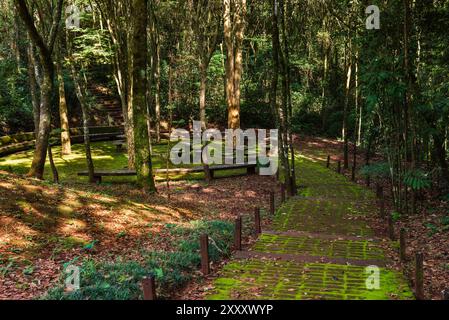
[309, 67]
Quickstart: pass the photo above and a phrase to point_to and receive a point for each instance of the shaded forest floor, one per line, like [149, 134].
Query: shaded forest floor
[43, 226]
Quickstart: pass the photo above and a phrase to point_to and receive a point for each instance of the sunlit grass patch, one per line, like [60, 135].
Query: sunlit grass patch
[105, 157]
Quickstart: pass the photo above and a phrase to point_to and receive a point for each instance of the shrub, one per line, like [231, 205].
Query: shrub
[120, 280]
[417, 180]
[379, 170]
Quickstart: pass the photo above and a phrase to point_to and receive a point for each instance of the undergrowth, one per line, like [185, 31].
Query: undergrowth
[120, 280]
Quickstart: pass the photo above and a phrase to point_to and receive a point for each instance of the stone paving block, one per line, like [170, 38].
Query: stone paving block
[324, 216]
[349, 249]
[269, 280]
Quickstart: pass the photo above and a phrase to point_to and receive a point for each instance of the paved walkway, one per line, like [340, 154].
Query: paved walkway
[319, 247]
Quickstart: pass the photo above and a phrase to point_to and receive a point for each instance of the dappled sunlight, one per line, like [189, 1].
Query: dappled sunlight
[6, 185]
[41, 221]
[43, 212]
[71, 226]
[313, 159]
[16, 233]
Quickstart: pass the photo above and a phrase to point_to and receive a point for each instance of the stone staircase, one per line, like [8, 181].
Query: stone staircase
[108, 109]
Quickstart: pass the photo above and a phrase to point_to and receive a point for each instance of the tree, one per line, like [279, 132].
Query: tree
[138, 92]
[281, 110]
[154, 80]
[206, 22]
[234, 15]
[66, 146]
[45, 44]
[119, 30]
[33, 84]
[79, 80]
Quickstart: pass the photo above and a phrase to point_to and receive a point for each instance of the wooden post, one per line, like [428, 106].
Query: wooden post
[390, 227]
[403, 248]
[368, 181]
[445, 294]
[204, 245]
[354, 159]
[353, 174]
[339, 167]
[419, 276]
[282, 193]
[251, 170]
[272, 208]
[258, 227]
[382, 205]
[208, 173]
[238, 234]
[328, 164]
[379, 190]
[149, 288]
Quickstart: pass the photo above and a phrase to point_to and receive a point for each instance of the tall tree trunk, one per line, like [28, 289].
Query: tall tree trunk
[66, 146]
[287, 101]
[81, 95]
[359, 106]
[119, 30]
[205, 24]
[16, 42]
[34, 89]
[240, 14]
[40, 152]
[233, 114]
[45, 55]
[203, 83]
[130, 138]
[138, 96]
[279, 111]
[345, 118]
[409, 76]
[54, 170]
[234, 14]
[155, 76]
[157, 93]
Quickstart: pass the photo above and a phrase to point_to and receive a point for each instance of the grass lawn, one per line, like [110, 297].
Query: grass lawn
[105, 157]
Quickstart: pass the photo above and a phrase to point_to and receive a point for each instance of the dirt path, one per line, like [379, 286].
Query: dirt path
[319, 246]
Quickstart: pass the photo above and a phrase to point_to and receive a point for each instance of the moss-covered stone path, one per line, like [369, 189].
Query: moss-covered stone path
[319, 247]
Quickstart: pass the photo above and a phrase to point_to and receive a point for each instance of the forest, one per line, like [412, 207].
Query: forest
[92, 92]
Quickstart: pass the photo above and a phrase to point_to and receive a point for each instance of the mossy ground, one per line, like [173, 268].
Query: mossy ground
[330, 210]
[349, 249]
[282, 280]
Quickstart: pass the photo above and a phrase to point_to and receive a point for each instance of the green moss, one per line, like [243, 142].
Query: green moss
[332, 216]
[288, 280]
[328, 204]
[349, 249]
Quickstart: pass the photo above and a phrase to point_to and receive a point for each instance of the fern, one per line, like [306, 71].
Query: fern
[417, 179]
[376, 170]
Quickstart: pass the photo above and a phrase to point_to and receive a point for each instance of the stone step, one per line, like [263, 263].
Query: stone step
[306, 258]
